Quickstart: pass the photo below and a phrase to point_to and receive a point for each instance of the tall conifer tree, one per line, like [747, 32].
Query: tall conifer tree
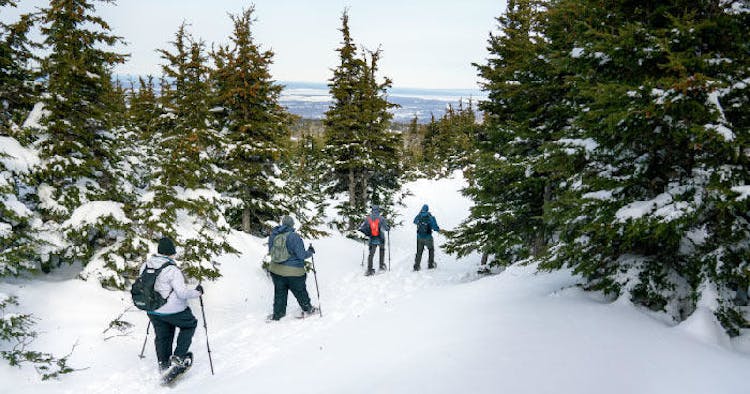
[363, 152]
[182, 202]
[257, 126]
[77, 174]
[657, 212]
[512, 181]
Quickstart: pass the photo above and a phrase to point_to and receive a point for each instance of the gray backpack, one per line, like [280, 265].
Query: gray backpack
[279, 252]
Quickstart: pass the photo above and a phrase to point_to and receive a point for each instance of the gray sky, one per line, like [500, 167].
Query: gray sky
[425, 43]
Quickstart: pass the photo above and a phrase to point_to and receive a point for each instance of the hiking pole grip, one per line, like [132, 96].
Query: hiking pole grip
[317, 289]
[205, 327]
[143, 349]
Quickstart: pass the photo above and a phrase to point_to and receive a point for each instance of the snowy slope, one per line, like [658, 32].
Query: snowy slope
[441, 331]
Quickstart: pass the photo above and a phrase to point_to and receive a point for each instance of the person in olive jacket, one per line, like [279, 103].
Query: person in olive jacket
[287, 268]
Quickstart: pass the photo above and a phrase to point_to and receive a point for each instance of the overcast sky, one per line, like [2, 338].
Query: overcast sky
[425, 43]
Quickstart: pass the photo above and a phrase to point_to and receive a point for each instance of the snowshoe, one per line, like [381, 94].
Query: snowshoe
[178, 367]
[313, 311]
[270, 319]
[370, 272]
[416, 267]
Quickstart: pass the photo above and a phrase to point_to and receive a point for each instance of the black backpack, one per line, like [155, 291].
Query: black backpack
[145, 297]
[423, 225]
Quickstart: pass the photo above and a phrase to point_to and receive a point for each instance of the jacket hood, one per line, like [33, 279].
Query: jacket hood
[425, 208]
[156, 261]
[281, 229]
[375, 210]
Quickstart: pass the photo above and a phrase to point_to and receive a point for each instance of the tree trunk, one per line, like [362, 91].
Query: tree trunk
[246, 219]
[364, 189]
[352, 195]
[540, 243]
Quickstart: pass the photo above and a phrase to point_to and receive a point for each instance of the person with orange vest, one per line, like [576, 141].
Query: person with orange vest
[375, 227]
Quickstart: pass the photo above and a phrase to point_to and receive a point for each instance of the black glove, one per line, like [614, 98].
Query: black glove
[199, 288]
[311, 249]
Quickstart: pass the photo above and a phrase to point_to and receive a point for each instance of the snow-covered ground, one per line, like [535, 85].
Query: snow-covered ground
[441, 331]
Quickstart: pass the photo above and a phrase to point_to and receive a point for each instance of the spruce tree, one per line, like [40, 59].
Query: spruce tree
[17, 237]
[363, 152]
[449, 142]
[181, 201]
[657, 211]
[17, 78]
[303, 172]
[512, 180]
[77, 189]
[256, 127]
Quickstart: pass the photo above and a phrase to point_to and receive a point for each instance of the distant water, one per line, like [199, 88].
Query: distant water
[311, 100]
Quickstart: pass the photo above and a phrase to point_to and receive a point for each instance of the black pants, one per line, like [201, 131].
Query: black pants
[281, 287]
[430, 244]
[372, 253]
[164, 327]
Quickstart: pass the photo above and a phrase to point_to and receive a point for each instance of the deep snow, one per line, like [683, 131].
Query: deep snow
[442, 331]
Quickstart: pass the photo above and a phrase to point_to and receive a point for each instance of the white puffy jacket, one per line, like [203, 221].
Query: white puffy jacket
[170, 280]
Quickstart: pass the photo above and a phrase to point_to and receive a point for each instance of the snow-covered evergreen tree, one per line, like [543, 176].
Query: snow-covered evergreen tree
[303, 174]
[17, 239]
[76, 188]
[658, 211]
[363, 152]
[511, 179]
[181, 201]
[449, 143]
[256, 127]
[16, 76]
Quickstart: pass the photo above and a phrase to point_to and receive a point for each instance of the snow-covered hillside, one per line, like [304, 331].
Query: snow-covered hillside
[442, 331]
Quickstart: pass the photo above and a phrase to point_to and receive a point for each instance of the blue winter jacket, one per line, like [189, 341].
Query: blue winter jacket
[433, 223]
[294, 245]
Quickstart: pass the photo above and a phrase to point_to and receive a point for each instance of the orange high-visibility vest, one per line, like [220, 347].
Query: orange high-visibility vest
[374, 226]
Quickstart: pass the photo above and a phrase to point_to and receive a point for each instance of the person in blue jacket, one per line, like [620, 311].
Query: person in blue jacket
[287, 268]
[426, 224]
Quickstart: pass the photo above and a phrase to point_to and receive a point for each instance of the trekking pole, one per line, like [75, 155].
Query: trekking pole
[315, 275]
[364, 246]
[143, 349]
[205, 327]
[389, 250]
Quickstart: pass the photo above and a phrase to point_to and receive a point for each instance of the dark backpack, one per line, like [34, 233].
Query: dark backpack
[145, 297]
[423, 225]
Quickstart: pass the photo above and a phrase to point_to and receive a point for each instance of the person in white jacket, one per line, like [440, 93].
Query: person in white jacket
[175, 313]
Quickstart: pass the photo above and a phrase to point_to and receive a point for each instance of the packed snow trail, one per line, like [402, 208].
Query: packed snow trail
[436, 331]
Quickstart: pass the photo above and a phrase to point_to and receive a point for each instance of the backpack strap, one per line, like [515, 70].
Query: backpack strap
[165, 265]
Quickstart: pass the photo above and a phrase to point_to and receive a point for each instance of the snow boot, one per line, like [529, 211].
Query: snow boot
[313, 310]
[370, 272]
[431, 266]
[178, 366]
[383, 267]
[416, 267]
